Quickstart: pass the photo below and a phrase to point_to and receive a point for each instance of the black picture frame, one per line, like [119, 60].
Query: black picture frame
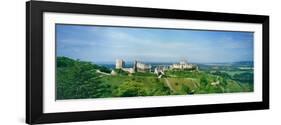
[34, 61]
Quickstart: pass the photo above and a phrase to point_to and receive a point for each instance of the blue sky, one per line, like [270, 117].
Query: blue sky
[106, 44]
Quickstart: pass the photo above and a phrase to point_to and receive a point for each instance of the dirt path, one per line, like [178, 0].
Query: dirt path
[169, 85]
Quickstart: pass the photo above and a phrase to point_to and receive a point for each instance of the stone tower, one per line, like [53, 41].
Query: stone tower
[119, 64]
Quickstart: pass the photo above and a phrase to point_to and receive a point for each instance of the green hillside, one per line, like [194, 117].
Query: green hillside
[77, 79]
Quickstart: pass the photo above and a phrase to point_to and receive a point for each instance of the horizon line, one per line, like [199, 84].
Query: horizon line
[104, 62]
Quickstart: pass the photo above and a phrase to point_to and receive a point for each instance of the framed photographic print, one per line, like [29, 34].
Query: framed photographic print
[95, 62]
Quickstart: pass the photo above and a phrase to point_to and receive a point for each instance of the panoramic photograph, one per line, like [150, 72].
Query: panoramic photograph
[110, 61]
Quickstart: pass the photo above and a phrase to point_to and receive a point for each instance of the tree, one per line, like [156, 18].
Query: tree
[78, 79]
[204, 80]
[185, 89]
[104, 69]
[130, 89]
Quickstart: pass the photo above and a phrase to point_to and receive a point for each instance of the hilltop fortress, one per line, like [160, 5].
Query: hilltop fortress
[183, 65]
[142, 67]
[137, 67]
